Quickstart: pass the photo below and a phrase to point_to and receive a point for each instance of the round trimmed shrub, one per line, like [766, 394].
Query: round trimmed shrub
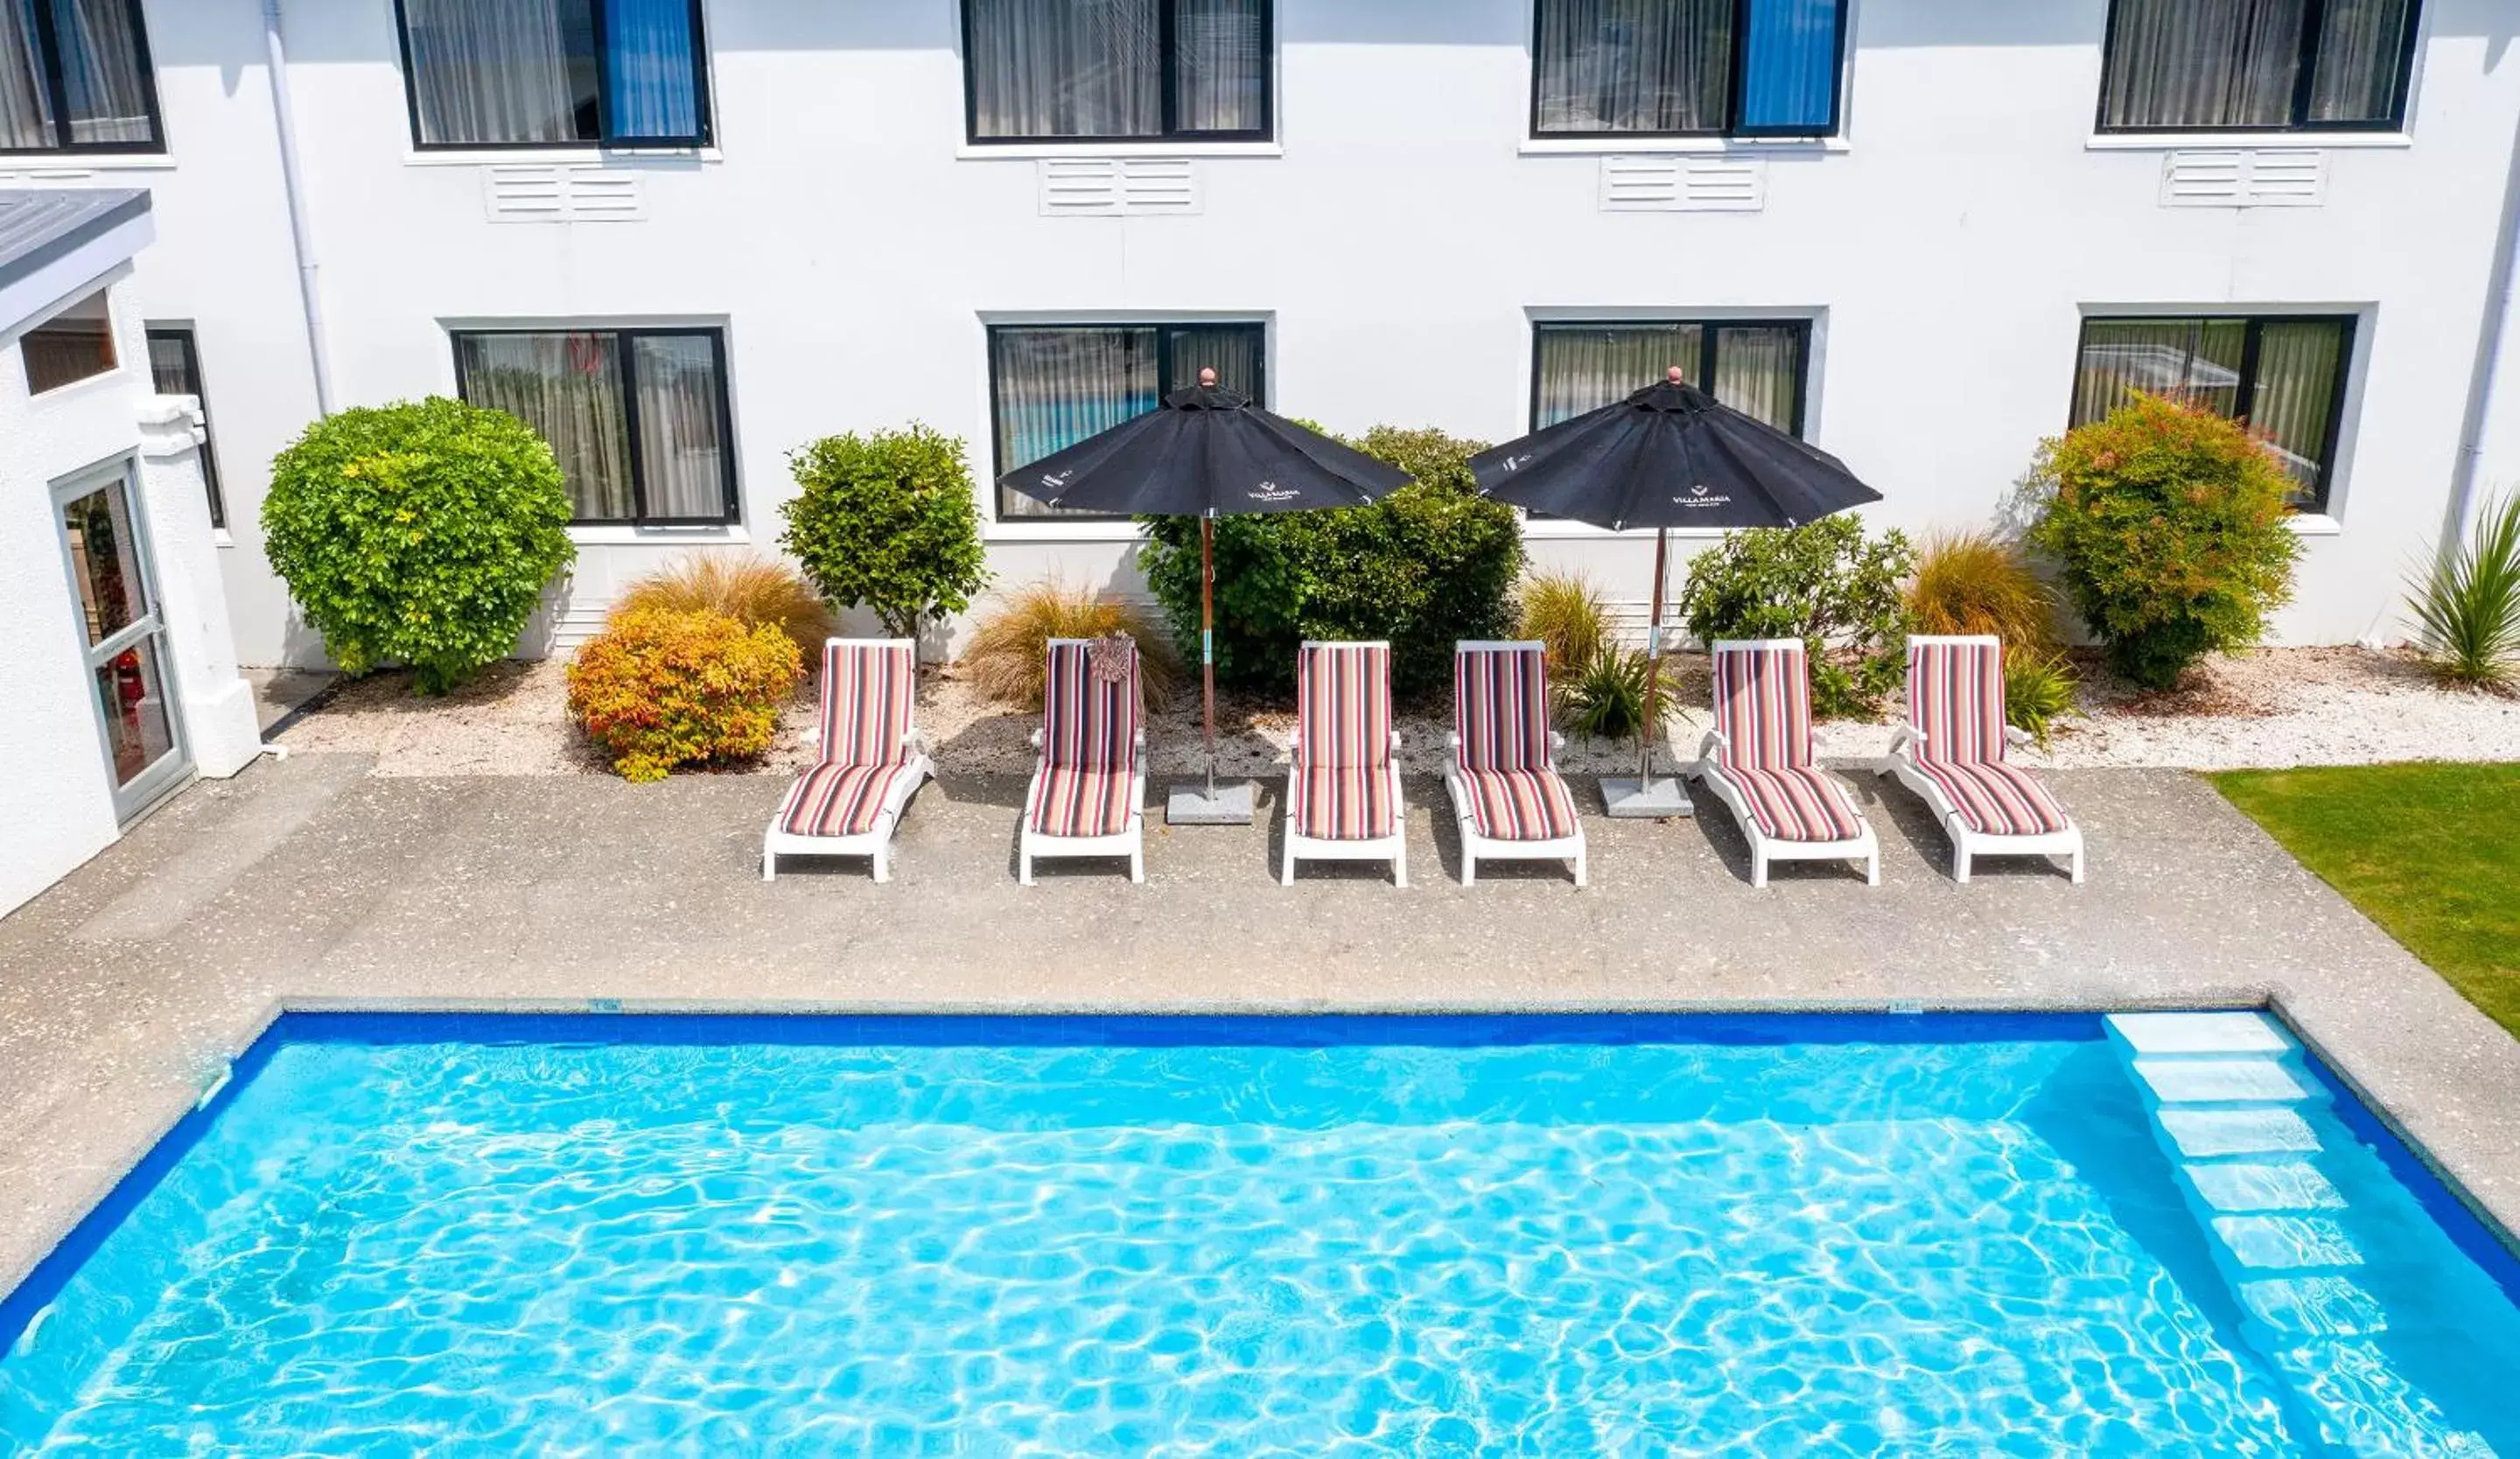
[887, 521]
[1432, 562]
[659, 688]
[420, 533]
[2169, 526]
[1824, 582]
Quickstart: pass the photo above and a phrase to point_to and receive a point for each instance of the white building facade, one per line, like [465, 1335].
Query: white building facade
[687, 236]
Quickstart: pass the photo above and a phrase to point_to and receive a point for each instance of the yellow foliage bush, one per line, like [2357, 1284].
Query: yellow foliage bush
[659, 688]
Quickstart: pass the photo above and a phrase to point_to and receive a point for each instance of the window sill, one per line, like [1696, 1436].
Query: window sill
[221, 537]
[987, 152]
[604, 535]
[42, 165]
[1627, 146]
[2229, 140]
[545, 157]
[2314, 524]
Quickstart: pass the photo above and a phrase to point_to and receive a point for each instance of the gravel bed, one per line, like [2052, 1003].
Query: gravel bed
[2268, 707]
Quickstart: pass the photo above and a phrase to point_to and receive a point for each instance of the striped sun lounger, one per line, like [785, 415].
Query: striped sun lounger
[1508, 795]
[873, 759]
[1344, 790]
[1758, 761]
[1088, 789]
[1951, 753]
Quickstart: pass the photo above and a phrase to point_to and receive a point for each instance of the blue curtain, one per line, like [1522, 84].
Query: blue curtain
[653, 53]
[1789, 73]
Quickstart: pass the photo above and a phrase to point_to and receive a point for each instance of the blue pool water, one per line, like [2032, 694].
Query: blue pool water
[1774, 1234]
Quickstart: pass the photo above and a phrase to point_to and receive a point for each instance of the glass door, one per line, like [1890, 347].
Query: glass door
[123, 636]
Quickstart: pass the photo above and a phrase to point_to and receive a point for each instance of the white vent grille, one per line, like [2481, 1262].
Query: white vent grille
[568, 194]
[1085, 186]
[2244, 179]
[1683, 184]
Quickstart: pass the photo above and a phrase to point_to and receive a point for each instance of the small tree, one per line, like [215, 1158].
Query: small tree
[2169, 526]
[420, 533]
[887, 521]
[1824, 582]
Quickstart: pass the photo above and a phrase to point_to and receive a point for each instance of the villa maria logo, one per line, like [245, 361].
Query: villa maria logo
[1517, 463]
[1697, 497]
[1056, 479]
[1271, 491]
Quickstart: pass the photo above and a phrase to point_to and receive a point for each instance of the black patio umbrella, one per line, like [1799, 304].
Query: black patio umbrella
[1206, 452]
[1669, 455]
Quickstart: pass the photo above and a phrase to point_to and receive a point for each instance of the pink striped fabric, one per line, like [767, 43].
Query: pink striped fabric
[1955, 696]
[1500, 715]
[1343, 707]
[1762, 707]
[1089, 746]
[867, 693]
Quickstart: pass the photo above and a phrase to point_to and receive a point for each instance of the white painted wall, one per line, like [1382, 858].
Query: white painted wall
[1400, 238]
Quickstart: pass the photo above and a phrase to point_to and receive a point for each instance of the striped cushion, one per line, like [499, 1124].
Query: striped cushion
[1500, 707]
[1087, 724]
[1078, 800]
[1343, 703]
[1763, 705]
[1955, 696]
[1520, 804]
[838, 799]
[1796, 802]
[1344, 803]
[866, 692]
[1996, 799]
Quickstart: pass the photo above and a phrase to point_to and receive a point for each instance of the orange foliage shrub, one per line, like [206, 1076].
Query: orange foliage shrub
[659, 688]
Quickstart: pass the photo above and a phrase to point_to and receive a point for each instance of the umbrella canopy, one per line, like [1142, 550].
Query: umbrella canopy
[1669, 455]
[1208, 452]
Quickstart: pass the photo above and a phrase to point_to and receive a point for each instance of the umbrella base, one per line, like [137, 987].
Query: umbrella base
[1189, 805]
[1627, 798]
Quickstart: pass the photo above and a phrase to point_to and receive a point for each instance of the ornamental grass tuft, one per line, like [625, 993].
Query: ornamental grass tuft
[1009, 652]
[2467, 608]
[747, 587]
[1564, 611]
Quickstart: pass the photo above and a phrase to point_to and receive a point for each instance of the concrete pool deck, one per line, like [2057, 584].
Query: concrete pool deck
[309, 882]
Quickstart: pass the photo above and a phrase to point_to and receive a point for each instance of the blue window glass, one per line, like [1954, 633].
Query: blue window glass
[555, 73]
[1685, 68]
[1790, 67]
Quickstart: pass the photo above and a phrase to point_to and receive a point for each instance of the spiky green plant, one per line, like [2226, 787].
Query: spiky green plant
[2467, 606]
[1564, 611]
[1606, 697]
[2037, 690]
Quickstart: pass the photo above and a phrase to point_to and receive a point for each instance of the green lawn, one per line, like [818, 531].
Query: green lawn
[2430, 851]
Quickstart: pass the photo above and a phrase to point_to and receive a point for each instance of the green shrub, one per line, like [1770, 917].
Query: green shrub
[2467, 608]
[1009, 656]
[2037, 690]
[1430, 564]
[659, 688]
[1976, 582]
[2168, 525]
[1563, 611]
[422, 534]
[887, 521]
[1825, 583]
[1606, 695]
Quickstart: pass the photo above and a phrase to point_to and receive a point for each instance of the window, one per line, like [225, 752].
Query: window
[1756, 365]
[1116, 69]
[555, 73]
[74, 77]
[1053, 385]
[2284, 375]
[638, 418]
[1686, 68]
[175, 367]
[2257, 65]
[75, 345]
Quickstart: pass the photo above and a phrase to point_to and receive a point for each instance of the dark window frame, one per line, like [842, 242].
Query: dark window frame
[2312, 29]
[187, 338]
[1165, 331]
[2246, 392]
[1167, 61]
[57, 91]
[626, 362]
[1709, 328]
[1732, 66]
[703, 102]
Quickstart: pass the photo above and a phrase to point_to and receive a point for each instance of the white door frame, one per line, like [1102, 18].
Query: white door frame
[173, 768]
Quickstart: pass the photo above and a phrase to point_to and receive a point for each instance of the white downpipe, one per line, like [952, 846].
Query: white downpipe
[293, 184]
[2489, 361]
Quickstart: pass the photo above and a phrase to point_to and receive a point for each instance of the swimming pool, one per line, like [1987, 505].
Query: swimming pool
[1772, 1234]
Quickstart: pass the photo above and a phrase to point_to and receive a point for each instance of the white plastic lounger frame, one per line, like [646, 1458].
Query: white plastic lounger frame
[1477, 847]
[1967, 843]
[1393, 847]
[1130, 841]
[1791, 688]
[915, 769]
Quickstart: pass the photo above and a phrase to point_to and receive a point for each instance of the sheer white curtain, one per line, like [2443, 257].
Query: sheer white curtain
[569, 388]
[1220, 65]
[1066, 68]
[680, 451]
[1759, 372]
[25, 109]
[2300, 367]
[1587, 367]
[500, 71]
[100, 56]
[2195, 361]
[1056, 386]
[1232, 350]
[2360, 55]
[2203, 63]
[1634, 66]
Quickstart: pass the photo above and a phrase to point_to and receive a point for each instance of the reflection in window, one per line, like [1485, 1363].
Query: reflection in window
[72, 345]
[2285, 377]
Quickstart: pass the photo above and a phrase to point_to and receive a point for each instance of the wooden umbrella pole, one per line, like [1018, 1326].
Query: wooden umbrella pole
[1653, 666]
[1207, 638]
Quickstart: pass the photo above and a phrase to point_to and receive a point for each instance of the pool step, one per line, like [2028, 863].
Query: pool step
[2231, 1103]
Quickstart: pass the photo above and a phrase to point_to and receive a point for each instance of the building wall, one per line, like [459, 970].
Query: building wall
[1400, 238]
